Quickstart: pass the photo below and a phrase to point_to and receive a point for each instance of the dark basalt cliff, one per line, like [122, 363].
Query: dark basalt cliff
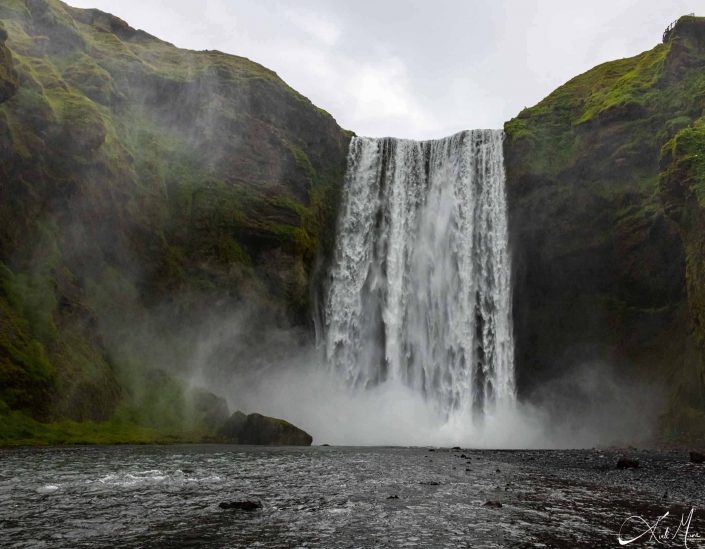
[143, 188]
[605, 190]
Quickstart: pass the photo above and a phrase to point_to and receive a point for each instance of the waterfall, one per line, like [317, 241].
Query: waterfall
[420, 288]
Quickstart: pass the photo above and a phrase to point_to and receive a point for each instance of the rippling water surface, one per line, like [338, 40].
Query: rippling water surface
[168, 496]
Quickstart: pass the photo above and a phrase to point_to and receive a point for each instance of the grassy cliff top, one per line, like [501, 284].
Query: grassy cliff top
[658, 87]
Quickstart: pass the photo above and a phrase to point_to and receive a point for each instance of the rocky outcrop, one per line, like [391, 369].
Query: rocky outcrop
[263, 430]
[599, 262]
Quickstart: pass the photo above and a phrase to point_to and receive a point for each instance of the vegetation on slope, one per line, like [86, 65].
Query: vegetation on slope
[599, 267]
[145, 189]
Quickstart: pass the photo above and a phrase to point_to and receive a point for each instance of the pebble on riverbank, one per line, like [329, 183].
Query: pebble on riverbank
[627, 463]
[241, 505]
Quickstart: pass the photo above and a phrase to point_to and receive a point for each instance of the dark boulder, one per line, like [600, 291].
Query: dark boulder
[263, 430]
[696, 457]
[241, 505]
[627, 463]
[495, 504]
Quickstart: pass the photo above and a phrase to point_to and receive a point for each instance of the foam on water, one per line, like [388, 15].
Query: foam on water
[47, 489]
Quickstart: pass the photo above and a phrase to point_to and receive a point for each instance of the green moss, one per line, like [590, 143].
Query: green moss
[18, 429]
[33, 296]
[685, 154]
[594, 194]
[94, 81]
[623, 84]
[27, 377]
[303, 162]
[142, 178]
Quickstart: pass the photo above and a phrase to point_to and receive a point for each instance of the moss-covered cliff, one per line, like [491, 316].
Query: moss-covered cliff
[143, 187]
[600, 265]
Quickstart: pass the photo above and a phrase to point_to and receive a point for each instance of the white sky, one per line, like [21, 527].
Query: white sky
[415, 68]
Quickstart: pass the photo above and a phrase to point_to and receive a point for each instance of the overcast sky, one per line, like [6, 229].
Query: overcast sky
[417, 69]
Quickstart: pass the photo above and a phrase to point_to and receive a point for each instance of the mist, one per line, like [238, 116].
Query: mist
[281, 372]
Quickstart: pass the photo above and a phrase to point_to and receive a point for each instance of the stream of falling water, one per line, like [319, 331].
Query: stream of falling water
[420, 289]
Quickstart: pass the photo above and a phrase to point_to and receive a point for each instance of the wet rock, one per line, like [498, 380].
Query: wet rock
[241, 505]
[627, 463]
[696, 457]
[491, 503]
[263, 430]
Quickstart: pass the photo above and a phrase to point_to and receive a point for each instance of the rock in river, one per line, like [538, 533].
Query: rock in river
[241, 505]
[259, 429]
[627, 463]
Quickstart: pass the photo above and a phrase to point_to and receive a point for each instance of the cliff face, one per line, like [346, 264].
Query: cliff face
[602, 250]
[143, 187]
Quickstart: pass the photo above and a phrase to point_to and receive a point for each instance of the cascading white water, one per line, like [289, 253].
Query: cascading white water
[420, 286]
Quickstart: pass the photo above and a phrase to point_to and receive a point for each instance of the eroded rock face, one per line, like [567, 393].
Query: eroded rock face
[599, 263]
[263, 430]
[682, 190]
